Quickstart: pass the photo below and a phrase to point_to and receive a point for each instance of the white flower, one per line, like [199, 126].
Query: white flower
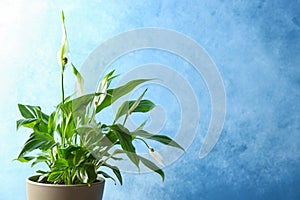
[63, 53]
[156, 156]
[102, 87]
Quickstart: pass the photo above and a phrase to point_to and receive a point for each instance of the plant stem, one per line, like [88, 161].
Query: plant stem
[125, 119]
[63, 102]
[62, 85]
[143, 142]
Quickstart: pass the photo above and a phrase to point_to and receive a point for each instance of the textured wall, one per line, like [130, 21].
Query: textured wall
[256, 46]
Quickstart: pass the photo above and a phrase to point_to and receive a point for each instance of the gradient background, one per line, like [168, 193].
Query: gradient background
[256, 46]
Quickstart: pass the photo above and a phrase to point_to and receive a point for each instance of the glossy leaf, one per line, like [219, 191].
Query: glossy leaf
[55, 176]
[159, 138]
[143, 107]
[102, 88]
[91, 172]
[116, 171]
[78, 106]
[29, 122]
[91, 136]
[52, 122]
[125, 140]
[28, 111]
[105, 175]
[32, 112]
[152, 166]
[40, 127]
[87, 173]
[40, 159]
[61, 164]
[37, 141]
[142, 125]
[115, 94]
[25, 158]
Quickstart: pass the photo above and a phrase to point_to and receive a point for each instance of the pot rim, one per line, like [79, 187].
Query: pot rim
[32, 182]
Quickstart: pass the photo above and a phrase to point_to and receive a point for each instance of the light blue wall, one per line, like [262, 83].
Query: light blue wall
[256, 46]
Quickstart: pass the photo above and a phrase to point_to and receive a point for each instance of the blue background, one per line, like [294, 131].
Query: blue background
[256, 46]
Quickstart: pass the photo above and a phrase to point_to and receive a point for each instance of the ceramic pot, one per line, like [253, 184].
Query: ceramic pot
[38, 191]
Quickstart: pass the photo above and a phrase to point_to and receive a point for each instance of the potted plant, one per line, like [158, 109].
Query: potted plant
[75, 147]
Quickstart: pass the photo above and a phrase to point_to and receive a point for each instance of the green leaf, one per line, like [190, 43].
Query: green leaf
[105, 175]
[102, 88]
[42, 172]
[143, 106]
[141, 126]
[78, 106]
[55, 176]
[160, 138]
[116, 171]
[87, 173]
[25, 159]
[125, 140]
[118, 174]
[92, 138]
[152, 166]
[110, 76]
[41, 158]
[66, 107]
[52, 122]
[40, 127]
[41, 141]
[29, 122]
[115, 94]
[107, 78]
[34, 118]
[30, 112]
[79, 156]
[74, 155]
[112, 155]
[112, 137]
[69, 126]
[61, 164]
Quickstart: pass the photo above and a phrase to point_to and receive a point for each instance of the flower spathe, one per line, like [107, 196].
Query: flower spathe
[64, 51]
[156, 156]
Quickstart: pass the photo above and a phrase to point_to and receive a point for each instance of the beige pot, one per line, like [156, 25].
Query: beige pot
[42, 191]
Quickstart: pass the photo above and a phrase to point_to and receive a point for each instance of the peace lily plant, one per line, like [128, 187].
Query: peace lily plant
[77, 148]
